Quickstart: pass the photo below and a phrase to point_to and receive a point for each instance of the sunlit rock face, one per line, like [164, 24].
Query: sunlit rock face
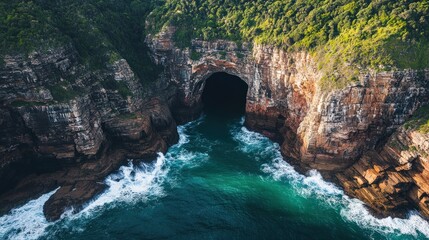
[79, 140]
[395, 176]
[324, 130]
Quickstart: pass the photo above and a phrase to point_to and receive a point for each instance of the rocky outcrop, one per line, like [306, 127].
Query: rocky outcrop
[65, 126]
[343, 124]
[328, 130]
[394, 177]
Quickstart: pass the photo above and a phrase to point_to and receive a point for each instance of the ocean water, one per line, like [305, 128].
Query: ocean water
[220, 181]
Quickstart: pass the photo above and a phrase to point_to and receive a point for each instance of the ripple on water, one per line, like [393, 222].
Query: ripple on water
[144, 181]
[313, 185]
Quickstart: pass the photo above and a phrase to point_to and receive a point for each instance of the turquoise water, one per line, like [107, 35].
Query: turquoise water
[220, 181]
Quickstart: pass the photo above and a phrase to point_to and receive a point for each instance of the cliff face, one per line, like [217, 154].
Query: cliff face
[62, 124]
[324, 130]
[394, 177]
[65, 125]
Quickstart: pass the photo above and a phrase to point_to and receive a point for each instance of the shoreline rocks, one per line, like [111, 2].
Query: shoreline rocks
[317, 129]
[64, 125]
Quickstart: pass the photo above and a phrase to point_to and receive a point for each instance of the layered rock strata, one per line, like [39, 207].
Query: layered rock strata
[63, 125]
[395, 176]
[328, 130]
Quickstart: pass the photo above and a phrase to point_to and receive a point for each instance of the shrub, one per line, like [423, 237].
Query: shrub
[344, 36]
[119, 86]
[195, 55]
[420, 120]
[62, 92]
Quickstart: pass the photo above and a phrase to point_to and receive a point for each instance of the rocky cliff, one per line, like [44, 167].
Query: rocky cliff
[328, 130]
[63, 124]
[394, 176]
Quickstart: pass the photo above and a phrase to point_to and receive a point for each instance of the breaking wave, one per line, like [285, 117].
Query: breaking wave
[143, 182]
[312, 185]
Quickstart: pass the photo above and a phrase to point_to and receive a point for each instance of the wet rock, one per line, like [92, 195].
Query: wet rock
[405, 177]
[71, 196]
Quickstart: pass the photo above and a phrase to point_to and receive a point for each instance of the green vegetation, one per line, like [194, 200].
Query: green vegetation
[222, 54]
[240, 55]
[102, 31]
[119, 86]
[63, 92]
[420, 120]
[195, 55]
[344, 35]
[25, 26]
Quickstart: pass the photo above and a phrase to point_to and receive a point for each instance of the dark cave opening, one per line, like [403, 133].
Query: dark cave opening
[224, 94]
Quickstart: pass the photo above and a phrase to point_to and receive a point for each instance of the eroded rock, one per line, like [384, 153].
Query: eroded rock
[338, 131]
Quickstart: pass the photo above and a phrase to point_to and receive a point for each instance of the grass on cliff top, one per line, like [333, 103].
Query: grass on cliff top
[420, 120]
[102, 31]
[345, 36]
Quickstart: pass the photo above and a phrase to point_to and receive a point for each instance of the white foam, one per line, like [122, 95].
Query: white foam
[27, 221]
[313, 185]
[130, 183]
[251, 142]
[143, 181]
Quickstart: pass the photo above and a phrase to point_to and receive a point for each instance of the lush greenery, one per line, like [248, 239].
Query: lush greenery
[101, 30]
[120, 86]
[195, 55]
[420, 120]
[63, 92]
[344, 35]
[24, 26]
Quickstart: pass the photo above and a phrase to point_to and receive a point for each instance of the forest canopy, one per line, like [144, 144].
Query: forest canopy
[102, 31]
[345, 36]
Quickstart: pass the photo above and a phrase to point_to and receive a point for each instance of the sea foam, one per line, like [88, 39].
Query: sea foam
[144, 181]
[26, 222]
[312, 185]
[133, 182]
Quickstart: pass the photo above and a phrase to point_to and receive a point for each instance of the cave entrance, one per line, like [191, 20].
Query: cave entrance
[224, 94]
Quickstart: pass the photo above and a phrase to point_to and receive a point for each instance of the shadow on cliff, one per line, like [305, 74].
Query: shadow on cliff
[224, 95]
